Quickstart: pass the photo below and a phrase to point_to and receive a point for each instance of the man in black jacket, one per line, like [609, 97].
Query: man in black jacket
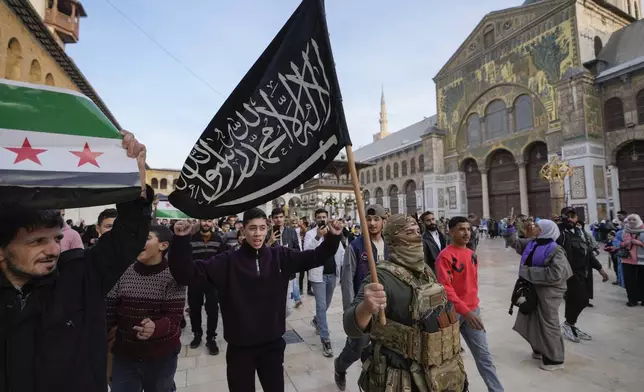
[252, 283]
[433, 239]
[580, 255]
[52, 306]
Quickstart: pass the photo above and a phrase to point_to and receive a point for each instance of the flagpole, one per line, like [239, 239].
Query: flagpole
[363, 221]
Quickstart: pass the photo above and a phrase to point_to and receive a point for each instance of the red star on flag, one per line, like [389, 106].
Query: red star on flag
[87, 156]
[26, 152]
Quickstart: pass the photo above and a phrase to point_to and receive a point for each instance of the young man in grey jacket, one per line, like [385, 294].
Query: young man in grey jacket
[355, 268]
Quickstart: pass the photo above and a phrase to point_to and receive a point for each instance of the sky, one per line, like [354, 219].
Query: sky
[153, 92]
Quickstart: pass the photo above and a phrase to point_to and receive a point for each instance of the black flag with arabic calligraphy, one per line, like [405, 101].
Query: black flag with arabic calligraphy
[283, 124]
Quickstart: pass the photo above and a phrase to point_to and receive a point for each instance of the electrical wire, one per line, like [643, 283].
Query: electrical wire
[166, 51]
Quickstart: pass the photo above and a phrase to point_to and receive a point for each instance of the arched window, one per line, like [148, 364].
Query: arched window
[381, 175]
[174, 184]
[403, 168]
[473, 131]
[598, 45]
[396, 170]
[639, 102]
[362, 177]
[421, 163]
[49, 80]
[155, 183]
[164, 183]
[373, 174]
[488, 36]
[388, 172]
[14, 58]
[368, 177]
[35, 74]
[412, 165]
[496, 118]
[614, 114]
[523, 116]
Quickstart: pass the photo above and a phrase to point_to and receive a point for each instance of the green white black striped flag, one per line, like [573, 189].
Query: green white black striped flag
[58, 150]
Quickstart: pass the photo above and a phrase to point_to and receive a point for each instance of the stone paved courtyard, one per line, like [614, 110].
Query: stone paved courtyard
[613, 361]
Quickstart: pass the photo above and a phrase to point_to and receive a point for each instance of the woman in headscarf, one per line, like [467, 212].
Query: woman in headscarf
[633, 265]
[544, 264]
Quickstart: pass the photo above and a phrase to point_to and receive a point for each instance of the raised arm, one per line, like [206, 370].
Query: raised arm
[513, 241]
[118, 248]
[188, 272]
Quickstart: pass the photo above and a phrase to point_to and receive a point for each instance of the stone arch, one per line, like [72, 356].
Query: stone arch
[380, 194]
[365, 197]
[13, 60]
[49, 80]
[294, 205]
[279, 202]
[410, 196]
[35, 72]
[615, 144]
[473, 183]
[163, 184]
[483, 99]
[154, 183]
[393, 199]
[491, 154]
[174, 183]
[523, 103]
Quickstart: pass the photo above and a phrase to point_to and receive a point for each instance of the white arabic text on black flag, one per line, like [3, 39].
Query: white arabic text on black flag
[283, 124]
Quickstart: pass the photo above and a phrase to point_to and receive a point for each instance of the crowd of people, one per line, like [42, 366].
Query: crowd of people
[84, 307]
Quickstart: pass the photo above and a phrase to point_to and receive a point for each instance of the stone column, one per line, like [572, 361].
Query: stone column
[402, 204]
[385, 202]
[420, 205]
[614, 184]
[485, 194]
[558, 194]
[523, 189]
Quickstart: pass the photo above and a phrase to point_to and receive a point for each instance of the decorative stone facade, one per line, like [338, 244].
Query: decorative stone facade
[514, 95]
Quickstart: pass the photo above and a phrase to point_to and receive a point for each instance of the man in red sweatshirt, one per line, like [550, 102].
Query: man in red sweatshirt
[457, 271]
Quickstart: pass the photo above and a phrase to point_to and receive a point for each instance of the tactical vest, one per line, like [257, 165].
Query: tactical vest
[436, 362]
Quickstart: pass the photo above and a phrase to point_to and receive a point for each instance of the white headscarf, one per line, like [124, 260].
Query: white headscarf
[635, 226]
[549, 229]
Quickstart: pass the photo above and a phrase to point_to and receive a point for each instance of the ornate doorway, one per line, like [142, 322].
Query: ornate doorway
[630, 163]
[503, 179]
[393, 200]
[410, 197]
[474, 189]
[538, 189]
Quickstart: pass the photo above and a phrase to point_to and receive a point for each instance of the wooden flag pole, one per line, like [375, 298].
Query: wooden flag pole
[363, 221]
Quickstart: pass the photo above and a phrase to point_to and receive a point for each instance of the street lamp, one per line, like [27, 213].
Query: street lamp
[555, 172]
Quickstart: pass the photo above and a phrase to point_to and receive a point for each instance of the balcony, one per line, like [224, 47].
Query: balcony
[64, 17]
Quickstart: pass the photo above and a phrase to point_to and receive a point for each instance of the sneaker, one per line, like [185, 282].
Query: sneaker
[631, 304]
[590, 305]
[615, 283]
[314, 324]
[340, 377]
[298, 304]
[537, 356]
[582, 335]
[327, 350]
[552, 368]
[196, 342]
[310, 292]
[212, 347]
[570, 333]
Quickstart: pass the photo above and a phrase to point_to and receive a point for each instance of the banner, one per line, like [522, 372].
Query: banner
[58, 150]
[283, 124]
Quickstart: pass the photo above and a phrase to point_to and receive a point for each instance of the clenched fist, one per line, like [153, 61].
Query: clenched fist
[183, 228]
[375, 297]
[145, 331]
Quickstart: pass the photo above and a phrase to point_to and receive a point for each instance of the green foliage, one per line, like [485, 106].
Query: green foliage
[452, 96]
[549, 52]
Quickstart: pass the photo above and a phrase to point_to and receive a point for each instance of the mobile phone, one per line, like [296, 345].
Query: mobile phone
[322, 224]
[276, 230]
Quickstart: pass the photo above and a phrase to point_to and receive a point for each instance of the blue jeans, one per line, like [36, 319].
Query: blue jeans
[296, 290]
[477, 342]
[153, 375]
[323, 295]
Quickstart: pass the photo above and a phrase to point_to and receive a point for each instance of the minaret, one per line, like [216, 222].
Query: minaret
[383, 119]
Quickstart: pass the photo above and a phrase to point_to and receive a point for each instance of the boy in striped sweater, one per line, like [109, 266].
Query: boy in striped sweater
[146, 305]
